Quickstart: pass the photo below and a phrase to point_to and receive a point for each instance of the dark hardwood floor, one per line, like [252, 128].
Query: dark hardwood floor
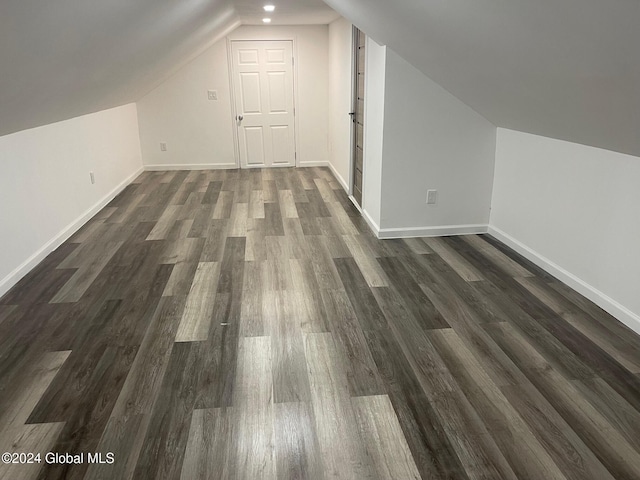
[247, 325]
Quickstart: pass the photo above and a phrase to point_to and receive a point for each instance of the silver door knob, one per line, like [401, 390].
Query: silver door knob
[240, 117]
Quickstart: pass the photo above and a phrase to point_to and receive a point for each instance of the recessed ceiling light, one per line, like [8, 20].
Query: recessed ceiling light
[269, 8]
[266, 20]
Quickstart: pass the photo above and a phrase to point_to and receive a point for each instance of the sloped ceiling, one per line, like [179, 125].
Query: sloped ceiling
[567, 69]
[288, 12]
[64, 58]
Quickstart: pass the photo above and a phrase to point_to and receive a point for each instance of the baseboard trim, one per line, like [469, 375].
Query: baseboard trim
[216, 166]
[355, 203]
[439, 231]
[190, 166]
[605, 302]
[313, 164]
[372, 224]
[338, 177]
[25, 267]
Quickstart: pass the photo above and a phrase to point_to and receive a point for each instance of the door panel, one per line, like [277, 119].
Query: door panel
[275, 55]
[360, 108]
[277, 92]
[359, 159]
[279, 141]
[358, 118]
[359, 134]
[254, 146]
[250, 92]
[248, 56]
[263, 83]
[361, 82]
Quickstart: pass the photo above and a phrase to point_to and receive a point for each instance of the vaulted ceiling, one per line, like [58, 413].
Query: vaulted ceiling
[64, 58]
[566, 69]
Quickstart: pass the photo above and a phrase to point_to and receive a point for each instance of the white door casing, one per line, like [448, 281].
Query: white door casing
[264, 101]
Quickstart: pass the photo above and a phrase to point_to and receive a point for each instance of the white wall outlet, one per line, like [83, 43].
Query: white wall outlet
[92, 177]
[163, 147]
[212, 94]
[432, 197]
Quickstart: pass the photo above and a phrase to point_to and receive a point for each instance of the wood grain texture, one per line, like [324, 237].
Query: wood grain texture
[123, 436]
[383, 438]
[510, 266]
[517, 443]
[37, 439]
[288, 369]
[143, 382]
[207, 453]
[25, 394]
[247, 324]
[196, 319]
[455, 261]
[371, 270]
[340, 447]
[296, 444]
[87, 272]
[566, 448]
[254, 456]
[361, 371]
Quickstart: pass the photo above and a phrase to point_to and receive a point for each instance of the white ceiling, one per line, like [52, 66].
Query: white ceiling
[567, 69]
[288, 12]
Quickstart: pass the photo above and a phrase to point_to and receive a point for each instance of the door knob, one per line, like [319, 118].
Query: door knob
[240, 117]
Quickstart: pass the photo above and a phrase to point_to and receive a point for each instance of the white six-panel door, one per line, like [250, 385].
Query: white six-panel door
[263, 85]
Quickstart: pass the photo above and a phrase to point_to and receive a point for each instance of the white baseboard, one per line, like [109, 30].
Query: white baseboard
[439, 231]
[190, 166]
[605, 302]
[372, 224]
[339, 177]
[214, 166]
[25, 267]
[313, 164]
[355, 203]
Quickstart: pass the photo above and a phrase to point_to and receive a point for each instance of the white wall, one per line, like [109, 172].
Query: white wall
[574, 210]
[374, 112]
[432, 141]
[45, 188]
[198, 132]
[340, 104]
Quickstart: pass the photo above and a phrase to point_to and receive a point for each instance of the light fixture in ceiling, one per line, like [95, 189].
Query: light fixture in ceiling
[266, 20]
[269, 8]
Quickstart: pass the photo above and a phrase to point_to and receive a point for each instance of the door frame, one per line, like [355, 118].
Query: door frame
[233, 93]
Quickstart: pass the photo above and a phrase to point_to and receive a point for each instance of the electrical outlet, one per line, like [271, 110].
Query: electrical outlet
[212, 94]
[92, 177]
[432, 197]
[163, 147]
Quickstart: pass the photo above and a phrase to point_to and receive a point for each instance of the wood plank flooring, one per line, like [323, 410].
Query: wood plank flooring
[245, 324]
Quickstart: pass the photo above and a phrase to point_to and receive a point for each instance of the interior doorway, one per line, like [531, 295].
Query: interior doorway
[357, 114]
[264, 102]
